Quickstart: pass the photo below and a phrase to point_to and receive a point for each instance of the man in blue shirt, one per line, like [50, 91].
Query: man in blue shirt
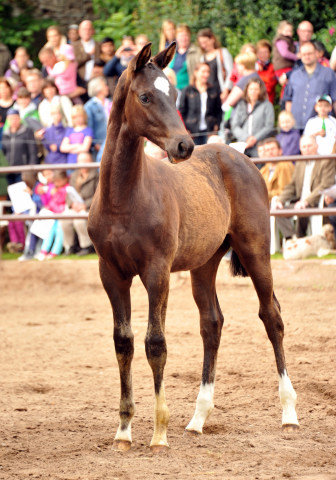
[306, 83]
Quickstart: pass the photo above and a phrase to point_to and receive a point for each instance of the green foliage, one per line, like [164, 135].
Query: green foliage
[328, 36]
[18, 27]
[116, 26]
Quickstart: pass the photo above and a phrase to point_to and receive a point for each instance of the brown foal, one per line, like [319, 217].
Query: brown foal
[152, 217]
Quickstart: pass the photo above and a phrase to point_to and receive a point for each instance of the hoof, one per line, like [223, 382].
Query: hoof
[159, 448]
[121, 445]
[195, 433]
[290, 427]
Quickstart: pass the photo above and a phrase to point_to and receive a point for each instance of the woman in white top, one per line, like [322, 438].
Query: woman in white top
[51, 98]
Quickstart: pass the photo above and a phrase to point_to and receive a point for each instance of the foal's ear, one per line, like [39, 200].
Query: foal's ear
[142, 57]
[164, 58]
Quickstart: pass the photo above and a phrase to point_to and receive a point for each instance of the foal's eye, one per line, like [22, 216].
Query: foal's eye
[144, 99]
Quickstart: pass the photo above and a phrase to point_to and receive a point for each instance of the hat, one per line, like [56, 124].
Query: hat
[324, 97]
[73, 27]
[68, 51]
[13, 111]
[330, 192]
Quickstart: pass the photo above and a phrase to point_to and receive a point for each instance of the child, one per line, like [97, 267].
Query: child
[323, 126]
[27, 109]
[52, 137]
[284, 55]
[52, 245]
[289, 137]
[78, 139]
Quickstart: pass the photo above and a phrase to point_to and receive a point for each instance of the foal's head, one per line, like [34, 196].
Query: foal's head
[150, 103]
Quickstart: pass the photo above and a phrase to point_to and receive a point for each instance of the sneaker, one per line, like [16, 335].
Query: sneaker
[15, 247]
[50, 256]
[86, 251]
[41, 256]
[26, 256]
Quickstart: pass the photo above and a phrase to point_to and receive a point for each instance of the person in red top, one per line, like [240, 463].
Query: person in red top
[265, 68]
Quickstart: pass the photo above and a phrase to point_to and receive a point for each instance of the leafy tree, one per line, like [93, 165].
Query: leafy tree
[18, 27]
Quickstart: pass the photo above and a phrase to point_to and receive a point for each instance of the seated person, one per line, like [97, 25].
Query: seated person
[85, 182]
[309, 179]
[276, 175]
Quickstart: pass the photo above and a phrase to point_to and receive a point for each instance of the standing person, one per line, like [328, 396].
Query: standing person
[305, 32]
[34, 82]
[186, 57]
[86, 51]
[52, 137]
[265, 67]
[253, 119]
[19, 147]
[323, 126]
[85, 182]
[6, 102]
[200, 105]
[72, 33]
[98, 110]
[219, 59]
[21, 60]
[107, 49]
[52, 98]
[306, 83]
[55, 39]
[18, 144]
[124, 54]
[309, 179]
[27, 109]
[246, 67]
[5, 58]
[167, 34]
[64, 71]
[78, 138]
[284, 49]
[276, 175]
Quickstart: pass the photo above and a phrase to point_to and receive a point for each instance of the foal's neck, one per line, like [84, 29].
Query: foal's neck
[121, 165]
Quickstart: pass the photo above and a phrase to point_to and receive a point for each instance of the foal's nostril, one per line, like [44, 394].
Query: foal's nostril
[185, 149]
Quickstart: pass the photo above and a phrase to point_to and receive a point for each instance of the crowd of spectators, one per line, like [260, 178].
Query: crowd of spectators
[58, 113]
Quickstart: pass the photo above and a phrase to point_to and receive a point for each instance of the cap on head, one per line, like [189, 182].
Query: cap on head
[324, 97]
[13, 111]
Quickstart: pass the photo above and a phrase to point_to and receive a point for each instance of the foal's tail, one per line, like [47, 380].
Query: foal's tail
[236, 268]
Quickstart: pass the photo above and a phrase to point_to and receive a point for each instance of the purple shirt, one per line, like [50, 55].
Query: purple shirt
[77, 137]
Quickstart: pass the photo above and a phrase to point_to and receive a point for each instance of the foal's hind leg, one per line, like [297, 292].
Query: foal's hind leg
[118, 291]
[256, 260]
[211, 322]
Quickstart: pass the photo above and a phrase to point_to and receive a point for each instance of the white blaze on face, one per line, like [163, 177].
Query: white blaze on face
[162, 84]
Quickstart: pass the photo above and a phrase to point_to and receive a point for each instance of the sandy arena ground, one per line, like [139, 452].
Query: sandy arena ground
[60, 382]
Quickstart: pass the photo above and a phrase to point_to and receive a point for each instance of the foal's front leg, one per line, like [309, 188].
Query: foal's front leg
[118, 291]
[211, 322]
[157, 285]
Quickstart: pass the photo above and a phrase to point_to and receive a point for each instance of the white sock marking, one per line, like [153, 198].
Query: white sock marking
[124, 435]
[204, 406]
[287, 400]
[162, 84]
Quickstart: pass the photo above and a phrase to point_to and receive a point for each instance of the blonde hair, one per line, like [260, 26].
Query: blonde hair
[171, 75]
[282, 25]
[247, 59]
[79, 110]
[163, 37]
[283, 114]
[183, 27]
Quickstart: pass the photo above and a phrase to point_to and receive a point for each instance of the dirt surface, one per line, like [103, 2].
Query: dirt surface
[60, 382]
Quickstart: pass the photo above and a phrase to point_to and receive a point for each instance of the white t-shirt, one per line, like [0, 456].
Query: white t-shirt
[88, 47]
[204, 98]
[325, 144]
